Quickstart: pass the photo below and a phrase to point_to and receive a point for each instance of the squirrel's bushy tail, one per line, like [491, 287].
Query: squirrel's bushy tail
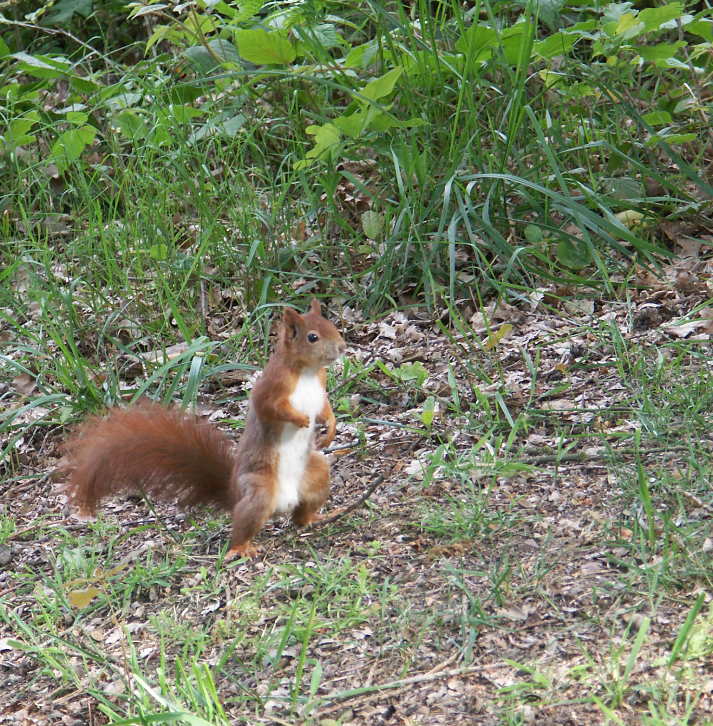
[149, 448]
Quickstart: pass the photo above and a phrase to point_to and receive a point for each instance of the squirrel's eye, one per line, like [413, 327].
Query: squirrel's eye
[312, 337]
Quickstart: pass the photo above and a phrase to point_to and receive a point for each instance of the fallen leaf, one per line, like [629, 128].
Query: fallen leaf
[81, 598]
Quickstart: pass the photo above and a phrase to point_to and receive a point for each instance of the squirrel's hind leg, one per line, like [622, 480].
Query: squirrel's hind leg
[249, 515]
[314, 490]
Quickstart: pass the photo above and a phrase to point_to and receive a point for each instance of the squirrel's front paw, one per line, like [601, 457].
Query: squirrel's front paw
[301, 421]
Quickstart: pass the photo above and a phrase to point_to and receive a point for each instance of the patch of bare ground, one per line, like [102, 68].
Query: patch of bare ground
[506, 570]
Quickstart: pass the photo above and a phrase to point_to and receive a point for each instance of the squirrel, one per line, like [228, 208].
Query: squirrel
[168, 454]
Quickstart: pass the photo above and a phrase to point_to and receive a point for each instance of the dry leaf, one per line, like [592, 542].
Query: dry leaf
[24, 384]
[81, 598]
[497, 336]
[685, 329]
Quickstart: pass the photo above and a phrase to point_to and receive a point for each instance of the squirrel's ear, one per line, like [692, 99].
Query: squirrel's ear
[291, 320]
[315, 307]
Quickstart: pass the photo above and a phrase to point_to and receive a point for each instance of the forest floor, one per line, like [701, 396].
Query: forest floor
[538, 551]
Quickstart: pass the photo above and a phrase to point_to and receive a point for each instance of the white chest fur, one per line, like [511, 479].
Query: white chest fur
[296, 443]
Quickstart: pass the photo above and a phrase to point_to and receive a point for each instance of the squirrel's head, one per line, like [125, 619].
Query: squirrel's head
[310, 340]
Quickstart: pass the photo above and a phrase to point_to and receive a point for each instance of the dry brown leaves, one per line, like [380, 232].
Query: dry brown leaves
[562, 599]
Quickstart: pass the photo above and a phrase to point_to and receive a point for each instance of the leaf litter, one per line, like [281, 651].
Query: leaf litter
[496, 570]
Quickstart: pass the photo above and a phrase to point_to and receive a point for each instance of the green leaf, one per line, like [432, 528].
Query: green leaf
[176, 114]
[409, 372]
[361, 55]
[315, 678]
[159, 251]
[654, 18]
[325, 136]
[140, 9]
[534, 234]
[17, 130]
[372, 224]
[85, 86]
[230, 126]
[623, 187]
[130, 124]
[353, 124]
[700, 635]
[549, 11]
[160, 33]
[247, 9]
[219, 53]
[686, 629]
[324, 35]
[584, 28]
[660, 52]
[555, 44]
[372, 119]
[497, 336]
[703, 28]
[200, 25]
[657, 118]
[265, 47]
[63, 11]
[382, 86]
[76, 117]
[116, 98]
[628, 26]
[384, 121]
[428, 411]
[326, 139]
[478, 43]
[4, 49]
[613, 11]
[185, 93]
[670, 139]
[42, 66]
[629, 218]
[422, 64]
[83, 597]
[514, 40]
[574, 256]
[69, 145]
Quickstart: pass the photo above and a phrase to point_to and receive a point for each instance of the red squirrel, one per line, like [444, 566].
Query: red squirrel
[168, 454]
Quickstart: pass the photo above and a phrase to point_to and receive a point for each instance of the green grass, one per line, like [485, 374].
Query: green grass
[186, 628]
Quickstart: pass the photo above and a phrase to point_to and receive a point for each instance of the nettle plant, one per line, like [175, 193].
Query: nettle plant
[223, 66]
[499, 133]
[299, 56]
[351, 70]
[627, 47]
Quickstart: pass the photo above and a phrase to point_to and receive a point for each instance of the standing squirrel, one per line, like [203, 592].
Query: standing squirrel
[171, 455]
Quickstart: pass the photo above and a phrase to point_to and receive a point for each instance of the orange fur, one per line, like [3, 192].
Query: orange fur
[149, 448]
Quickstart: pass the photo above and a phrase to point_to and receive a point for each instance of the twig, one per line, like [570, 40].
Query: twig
[341, 447]
[403, 683]
[444, 664]
[341, 512]
[203, 300]
[600, 455]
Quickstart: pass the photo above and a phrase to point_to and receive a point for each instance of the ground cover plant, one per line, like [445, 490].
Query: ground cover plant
[506, 208]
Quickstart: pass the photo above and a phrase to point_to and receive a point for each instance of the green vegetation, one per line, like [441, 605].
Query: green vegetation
[528, 183]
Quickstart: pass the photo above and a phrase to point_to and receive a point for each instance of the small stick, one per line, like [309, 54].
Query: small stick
[599, 455]
[341, 447]
[377, 691]
[341, 512]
